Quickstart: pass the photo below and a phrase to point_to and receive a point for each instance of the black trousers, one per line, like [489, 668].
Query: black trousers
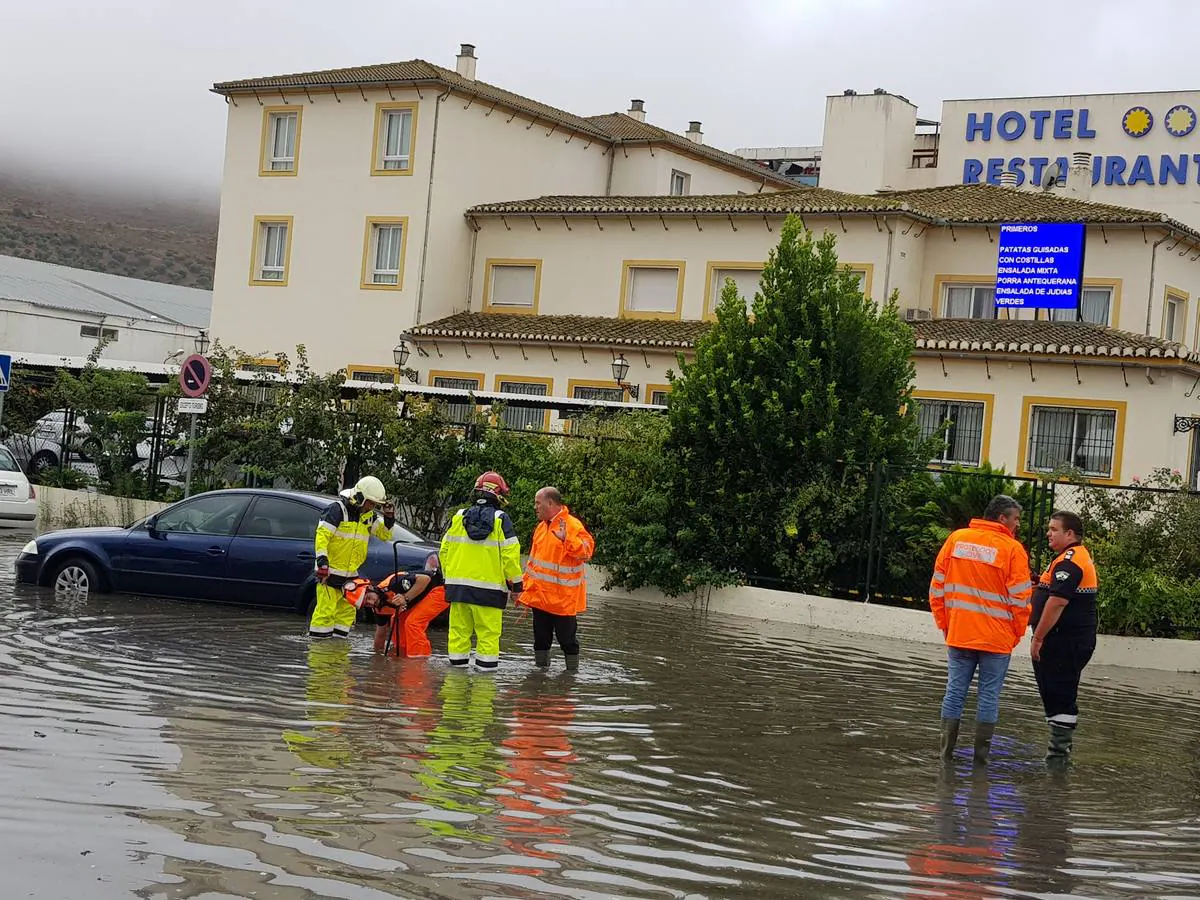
[547, 626]
[1064, 656]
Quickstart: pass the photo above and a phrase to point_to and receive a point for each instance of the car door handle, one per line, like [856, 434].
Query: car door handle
[306, 554]
[215, 551]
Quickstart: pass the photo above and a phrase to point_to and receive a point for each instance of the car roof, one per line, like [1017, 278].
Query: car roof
[321, 500]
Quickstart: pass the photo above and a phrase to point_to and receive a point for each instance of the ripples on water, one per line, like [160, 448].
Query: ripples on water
[164, 750]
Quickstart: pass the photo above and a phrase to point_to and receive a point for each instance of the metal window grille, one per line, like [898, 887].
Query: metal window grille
[964, 436]
[1084, 439]
[457, 412]
[523, 418]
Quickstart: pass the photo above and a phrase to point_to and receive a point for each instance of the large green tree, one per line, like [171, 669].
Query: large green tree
[776, 425]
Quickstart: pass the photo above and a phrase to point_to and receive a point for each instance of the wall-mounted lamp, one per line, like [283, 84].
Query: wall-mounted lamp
[620, 368]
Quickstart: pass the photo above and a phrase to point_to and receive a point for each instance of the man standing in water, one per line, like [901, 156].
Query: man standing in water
[979, 596]
[1064, 628]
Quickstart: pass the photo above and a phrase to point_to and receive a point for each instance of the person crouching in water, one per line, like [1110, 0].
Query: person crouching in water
[555, 588]
[413, 600]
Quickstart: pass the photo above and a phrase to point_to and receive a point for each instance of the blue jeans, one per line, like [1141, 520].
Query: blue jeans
[993, 667]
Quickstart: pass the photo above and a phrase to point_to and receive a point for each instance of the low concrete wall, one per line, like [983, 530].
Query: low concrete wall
[58, 508]
[892, 622]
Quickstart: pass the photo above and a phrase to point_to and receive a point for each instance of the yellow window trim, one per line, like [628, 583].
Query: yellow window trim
[989, 404]
[710, 274]
[374, 370]
[512, 310]
[259, 222]
[868, 270]
[530, 379]
[1118, 406]
[265, 362]
[628, 264]
[377, 151]
[649, 390]
[1174, 293]
[264, 142]
[364, 281]
[446, 373]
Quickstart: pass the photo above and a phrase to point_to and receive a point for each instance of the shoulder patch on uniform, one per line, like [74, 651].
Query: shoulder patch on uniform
[1062, 576]
[1070, 554]
[977, 552]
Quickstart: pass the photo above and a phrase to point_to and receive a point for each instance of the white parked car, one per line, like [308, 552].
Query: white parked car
[18, 500]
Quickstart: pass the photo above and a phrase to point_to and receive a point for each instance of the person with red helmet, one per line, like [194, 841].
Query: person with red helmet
[481, 565]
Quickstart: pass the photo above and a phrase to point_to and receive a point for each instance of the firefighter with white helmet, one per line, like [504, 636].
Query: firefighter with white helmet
[343, 533]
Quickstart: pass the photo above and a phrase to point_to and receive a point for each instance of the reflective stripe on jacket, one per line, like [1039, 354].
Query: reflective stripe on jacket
[554, 581]
[481, 557]
[343, 535]
[981, 587]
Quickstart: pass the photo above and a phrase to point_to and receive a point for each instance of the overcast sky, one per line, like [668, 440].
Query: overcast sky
[121, 88]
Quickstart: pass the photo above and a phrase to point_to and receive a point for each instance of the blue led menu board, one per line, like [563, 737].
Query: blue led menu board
[1040, 265]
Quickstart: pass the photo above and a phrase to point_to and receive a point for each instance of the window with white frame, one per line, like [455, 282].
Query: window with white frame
[457, 411]
[272, 251]
[1174, 318]
[523, 418]
[512, 286]
[747, 281]
[963, 424]
[1095, 308]
[681, 183]
[386, 252]
[1065, 438]
[395, 140]
[282, 128]
[652, 289]
[860, 276]
[969, 301]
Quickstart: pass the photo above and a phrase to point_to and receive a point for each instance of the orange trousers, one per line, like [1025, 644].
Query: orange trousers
[410, 626]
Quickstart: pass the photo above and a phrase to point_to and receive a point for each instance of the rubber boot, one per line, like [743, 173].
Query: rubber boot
[541, 659]
[983, 741]
[949, 738]
[572, 662]
[1060, 742]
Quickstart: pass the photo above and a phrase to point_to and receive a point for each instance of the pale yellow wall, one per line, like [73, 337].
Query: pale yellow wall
[637, 172]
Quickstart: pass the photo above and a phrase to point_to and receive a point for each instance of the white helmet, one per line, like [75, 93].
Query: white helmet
[371, 488]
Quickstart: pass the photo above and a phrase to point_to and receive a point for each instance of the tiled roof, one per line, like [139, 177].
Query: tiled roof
[798, 200]
[995, 336]
[564, 330]
[611, 127]
[1053, 338]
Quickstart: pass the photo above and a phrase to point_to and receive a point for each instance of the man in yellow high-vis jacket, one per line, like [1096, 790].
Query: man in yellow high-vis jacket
[343, 533]
[481, 561]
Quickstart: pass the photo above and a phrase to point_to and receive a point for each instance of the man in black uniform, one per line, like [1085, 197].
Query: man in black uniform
[1064, 628]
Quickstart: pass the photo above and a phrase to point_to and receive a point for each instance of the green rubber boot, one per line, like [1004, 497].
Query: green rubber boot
[984, 732]
[1060, 742]
[572, 662]
[949, 739]
[541, 659]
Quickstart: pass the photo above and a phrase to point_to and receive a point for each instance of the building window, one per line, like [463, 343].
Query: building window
[658, 394]
[523, 418]
[272, 250]
[1065, 438]
[963, 421]
[96, 333]
[280, 140]
[373, 374]
[260, 364]
[969, 301]
[395, 130]
[745, 276]
[459, 411]
[652, 289]
[681, 183]
[1175, 317]
[383, 253]
[512, 285]
[1095, 308]
[862, 276]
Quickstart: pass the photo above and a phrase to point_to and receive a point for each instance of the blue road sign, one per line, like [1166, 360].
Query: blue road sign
[5, 371]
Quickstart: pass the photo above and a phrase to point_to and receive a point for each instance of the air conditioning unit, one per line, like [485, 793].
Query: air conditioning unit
[917, 315]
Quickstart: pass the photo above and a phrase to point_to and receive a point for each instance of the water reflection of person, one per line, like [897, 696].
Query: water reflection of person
[975, 827]
[461, 762]
[325, 745]
[1044, 843]
[540, 756]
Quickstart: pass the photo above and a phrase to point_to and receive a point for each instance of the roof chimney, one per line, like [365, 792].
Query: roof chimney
[694, 134]
[637, 110]
[1079, 177]
[466, 62]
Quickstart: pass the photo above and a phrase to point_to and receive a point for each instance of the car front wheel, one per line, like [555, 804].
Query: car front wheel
[75, 576]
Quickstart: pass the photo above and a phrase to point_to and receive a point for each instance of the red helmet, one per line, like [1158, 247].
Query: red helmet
[492, 483]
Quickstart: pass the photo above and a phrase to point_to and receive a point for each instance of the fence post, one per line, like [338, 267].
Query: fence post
[876, 503]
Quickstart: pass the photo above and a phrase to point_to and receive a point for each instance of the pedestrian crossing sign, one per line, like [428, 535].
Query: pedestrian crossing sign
[5, 371]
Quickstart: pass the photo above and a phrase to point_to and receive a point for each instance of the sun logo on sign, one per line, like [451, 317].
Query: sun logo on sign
[1138, 121]
[1180, 120]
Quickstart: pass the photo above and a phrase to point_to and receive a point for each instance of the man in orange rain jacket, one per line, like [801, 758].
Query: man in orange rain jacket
[979, 596]
[554, 584]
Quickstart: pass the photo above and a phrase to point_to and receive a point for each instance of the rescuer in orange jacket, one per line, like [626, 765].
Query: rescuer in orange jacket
[554, 584]
[979, 596]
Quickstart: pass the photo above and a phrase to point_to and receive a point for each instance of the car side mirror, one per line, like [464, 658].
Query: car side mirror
[152, 524]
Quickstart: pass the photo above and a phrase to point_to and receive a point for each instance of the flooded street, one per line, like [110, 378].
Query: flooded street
[159, 749]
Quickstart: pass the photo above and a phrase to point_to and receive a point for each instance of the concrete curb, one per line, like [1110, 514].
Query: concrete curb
[917, 626]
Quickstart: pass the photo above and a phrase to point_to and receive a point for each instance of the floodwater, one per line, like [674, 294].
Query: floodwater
[157, 749]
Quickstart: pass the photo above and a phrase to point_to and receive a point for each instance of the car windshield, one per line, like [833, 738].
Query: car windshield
[7, 463]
